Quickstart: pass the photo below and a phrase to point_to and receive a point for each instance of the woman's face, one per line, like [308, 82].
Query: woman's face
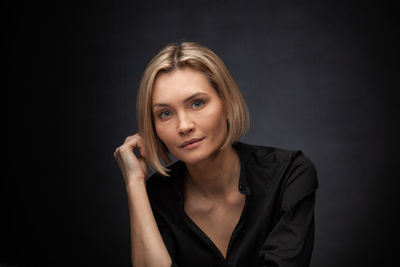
[189, 115]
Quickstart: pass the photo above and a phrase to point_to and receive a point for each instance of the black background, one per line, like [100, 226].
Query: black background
[319, 76]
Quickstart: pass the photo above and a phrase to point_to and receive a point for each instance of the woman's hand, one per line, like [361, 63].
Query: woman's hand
[147, 245]
[133, 169]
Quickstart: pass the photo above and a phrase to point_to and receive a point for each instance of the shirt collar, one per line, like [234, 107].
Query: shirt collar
[244, 186]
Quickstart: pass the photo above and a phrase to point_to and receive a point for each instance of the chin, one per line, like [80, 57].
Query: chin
[190, 159]
[193, 157]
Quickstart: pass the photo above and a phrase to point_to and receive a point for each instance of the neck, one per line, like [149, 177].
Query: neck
[217, 176]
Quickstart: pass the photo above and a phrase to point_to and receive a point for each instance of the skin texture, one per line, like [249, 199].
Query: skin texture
[132, 168]
[185, 106]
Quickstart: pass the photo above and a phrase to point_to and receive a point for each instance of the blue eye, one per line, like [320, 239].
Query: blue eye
[164, 114]
[197, 104]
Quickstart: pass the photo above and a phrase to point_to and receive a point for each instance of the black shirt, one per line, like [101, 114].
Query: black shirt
[276, 227]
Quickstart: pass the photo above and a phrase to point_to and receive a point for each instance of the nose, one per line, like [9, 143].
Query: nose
[185, 124]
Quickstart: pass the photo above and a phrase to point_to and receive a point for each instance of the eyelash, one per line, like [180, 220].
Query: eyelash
[160, 115]
[196, 101]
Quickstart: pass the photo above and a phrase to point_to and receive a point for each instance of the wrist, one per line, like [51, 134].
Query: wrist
[132, 184]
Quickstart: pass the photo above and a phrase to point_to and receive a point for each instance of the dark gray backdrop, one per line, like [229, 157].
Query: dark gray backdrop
[317, 75]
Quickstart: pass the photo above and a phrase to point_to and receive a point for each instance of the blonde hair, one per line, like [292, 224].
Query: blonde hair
[200, 58]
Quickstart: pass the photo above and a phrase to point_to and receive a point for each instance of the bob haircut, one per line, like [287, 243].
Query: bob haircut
[188, 55]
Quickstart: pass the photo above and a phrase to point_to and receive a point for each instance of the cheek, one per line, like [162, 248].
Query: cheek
[222, 126]
[217, 118]
[159, 131]
[163, 133]
[215, 123]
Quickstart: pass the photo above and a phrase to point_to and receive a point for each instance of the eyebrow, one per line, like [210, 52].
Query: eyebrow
[184, 101]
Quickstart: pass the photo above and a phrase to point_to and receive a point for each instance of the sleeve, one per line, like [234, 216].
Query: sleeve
[167, 237]
[154, 190]
[291, 241]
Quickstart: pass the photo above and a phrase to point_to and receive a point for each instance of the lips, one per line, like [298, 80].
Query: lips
[191, 141]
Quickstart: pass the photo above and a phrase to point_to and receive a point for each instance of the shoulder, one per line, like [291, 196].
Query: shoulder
[278, 165]
[270, 155]
[289, 170]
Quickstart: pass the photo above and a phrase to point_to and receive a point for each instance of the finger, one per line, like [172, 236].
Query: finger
[135, 141]
[118, 159]
[133, 136]
[128, 138]
[115, 152]
[142, 150]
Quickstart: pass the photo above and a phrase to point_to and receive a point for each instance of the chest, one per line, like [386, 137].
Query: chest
[216, 220]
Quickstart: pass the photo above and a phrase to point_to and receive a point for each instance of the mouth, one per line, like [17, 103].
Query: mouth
[191, 143]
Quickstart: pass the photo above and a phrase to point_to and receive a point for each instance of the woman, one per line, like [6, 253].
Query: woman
[223, 203]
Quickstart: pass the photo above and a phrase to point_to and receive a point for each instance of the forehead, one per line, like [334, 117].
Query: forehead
[181, 83]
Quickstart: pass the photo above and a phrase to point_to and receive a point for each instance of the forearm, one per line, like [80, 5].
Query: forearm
[148, 248]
